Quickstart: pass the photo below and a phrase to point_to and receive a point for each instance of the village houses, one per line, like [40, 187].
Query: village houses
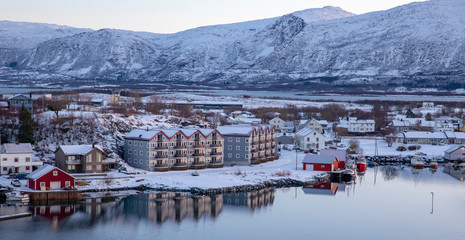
[17, 158]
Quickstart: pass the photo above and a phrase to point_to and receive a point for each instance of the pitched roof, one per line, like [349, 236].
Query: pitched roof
[20, 96]
[41, 171]
[419, 134]
[79, 149]
[16, 148]
[323, 159]
[341, 155]
[149, 134]
[453, 148]
[244, 130]
[305, 131]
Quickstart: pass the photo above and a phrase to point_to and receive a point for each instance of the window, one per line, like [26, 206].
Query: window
[42, 184]
[16, 159]
[99, 157]
[129, 160]
[99, 167]
[71, 167]
[229, 147]
[28, 159]
[129, 142]
[238, 147]
[247, 156]
[141, 144]
[247, 148]
[238, 139]
[230, 155]
[238, 155]
[322, 166]
[141, 161]
[246, 140]
[67, 183]
[4, 159]
[229, 139]
[141, 152]
[89, 167]
[27, 167]
[89, 158]
[4, 168]
[55, 173]
[130, 151]
[317, 139]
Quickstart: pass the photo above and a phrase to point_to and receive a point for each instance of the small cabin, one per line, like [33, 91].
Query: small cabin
[49, 177]
[320, 163]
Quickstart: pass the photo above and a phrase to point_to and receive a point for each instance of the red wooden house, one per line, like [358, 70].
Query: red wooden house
[321, 188]
[49, 177]
[340, 154]
[313, 162]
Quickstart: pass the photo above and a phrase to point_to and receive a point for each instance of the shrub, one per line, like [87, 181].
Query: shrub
[282, 174]
[401, 148]
[414, 147]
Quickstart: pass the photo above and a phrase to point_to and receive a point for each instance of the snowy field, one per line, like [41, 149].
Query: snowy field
[368, 147]
[208, 178]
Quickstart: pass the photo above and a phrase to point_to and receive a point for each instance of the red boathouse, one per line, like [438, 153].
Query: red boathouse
[320, 163]
[49, 177]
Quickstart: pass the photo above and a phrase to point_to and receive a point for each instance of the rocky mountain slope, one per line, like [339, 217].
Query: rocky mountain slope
[411, 44]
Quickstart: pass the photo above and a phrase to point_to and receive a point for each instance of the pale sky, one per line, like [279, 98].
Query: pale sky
[168, 16]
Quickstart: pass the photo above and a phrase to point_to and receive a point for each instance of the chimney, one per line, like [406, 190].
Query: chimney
[93, 145]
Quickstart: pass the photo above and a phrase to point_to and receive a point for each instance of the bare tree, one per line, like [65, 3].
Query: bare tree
[57, 104]
[155, 104]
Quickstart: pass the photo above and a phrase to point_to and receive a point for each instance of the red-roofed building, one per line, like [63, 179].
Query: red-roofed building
[320, 162]
[49, 177]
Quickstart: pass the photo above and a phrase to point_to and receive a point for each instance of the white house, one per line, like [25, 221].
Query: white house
[361, 126]
[310, 139]
[18, 158]
[443, 127]
[277, 122]
[312, 123]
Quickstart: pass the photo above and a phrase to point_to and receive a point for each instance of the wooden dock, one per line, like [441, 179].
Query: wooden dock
[60, 195]
[17, 215]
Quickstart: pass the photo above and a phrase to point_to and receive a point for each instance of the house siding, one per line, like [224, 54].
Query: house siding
[48, 177]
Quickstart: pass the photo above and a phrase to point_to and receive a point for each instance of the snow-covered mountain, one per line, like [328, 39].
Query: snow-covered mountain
[414, 42]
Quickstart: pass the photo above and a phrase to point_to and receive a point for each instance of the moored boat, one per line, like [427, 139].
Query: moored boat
[417, 163]
[361, 164]
[433, 164]
[17, 196]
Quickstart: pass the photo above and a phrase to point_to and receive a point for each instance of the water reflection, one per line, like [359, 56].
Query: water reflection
[325, 188]
[390, 172]
[252, 200]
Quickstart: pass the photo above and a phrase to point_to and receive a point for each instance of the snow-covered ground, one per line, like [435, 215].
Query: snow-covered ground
[208, 178]
[368, 146]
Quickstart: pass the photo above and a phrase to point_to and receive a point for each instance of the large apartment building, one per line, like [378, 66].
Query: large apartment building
[245, 145]
[174, 149]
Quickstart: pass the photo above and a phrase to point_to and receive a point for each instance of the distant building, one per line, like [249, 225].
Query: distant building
[115, 98]
[97, 102]
[245, 145]
[18, 158]
[18, 101]
[82, 159]
[49, 177]
[310, 139]
[311, 123]
[277, 122]
[428, 104]
[361, 126]
[288, 127]
[286, 139]
[174, 149]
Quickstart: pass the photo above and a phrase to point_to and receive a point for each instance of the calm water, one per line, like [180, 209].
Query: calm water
[387, 203]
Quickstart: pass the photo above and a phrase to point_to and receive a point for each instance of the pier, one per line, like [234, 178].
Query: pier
[16, 215]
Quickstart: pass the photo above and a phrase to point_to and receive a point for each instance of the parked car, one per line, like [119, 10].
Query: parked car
[21, 176]
[16, 183]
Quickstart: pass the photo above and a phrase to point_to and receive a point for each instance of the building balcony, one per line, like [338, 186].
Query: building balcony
[179, 147]
[216, 164]
[179, 166]
[216, 145]
[160, 168]
[198, 165]
[180, 155]
[198, 145]
[160, 156]
[261, 157]
[161, 147]
[253, 150]
[262, 141]
[73, 162]
[216, 153]
[269, 158]
[198, 154]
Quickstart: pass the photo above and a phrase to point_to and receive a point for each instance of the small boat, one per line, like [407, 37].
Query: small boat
[348, 174]
[17, 196]
[361, 164]
[417, 163]
[433, 164]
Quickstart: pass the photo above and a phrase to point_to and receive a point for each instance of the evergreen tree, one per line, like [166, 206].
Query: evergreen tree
[409, 114]
[428, 117]
[26, 129]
